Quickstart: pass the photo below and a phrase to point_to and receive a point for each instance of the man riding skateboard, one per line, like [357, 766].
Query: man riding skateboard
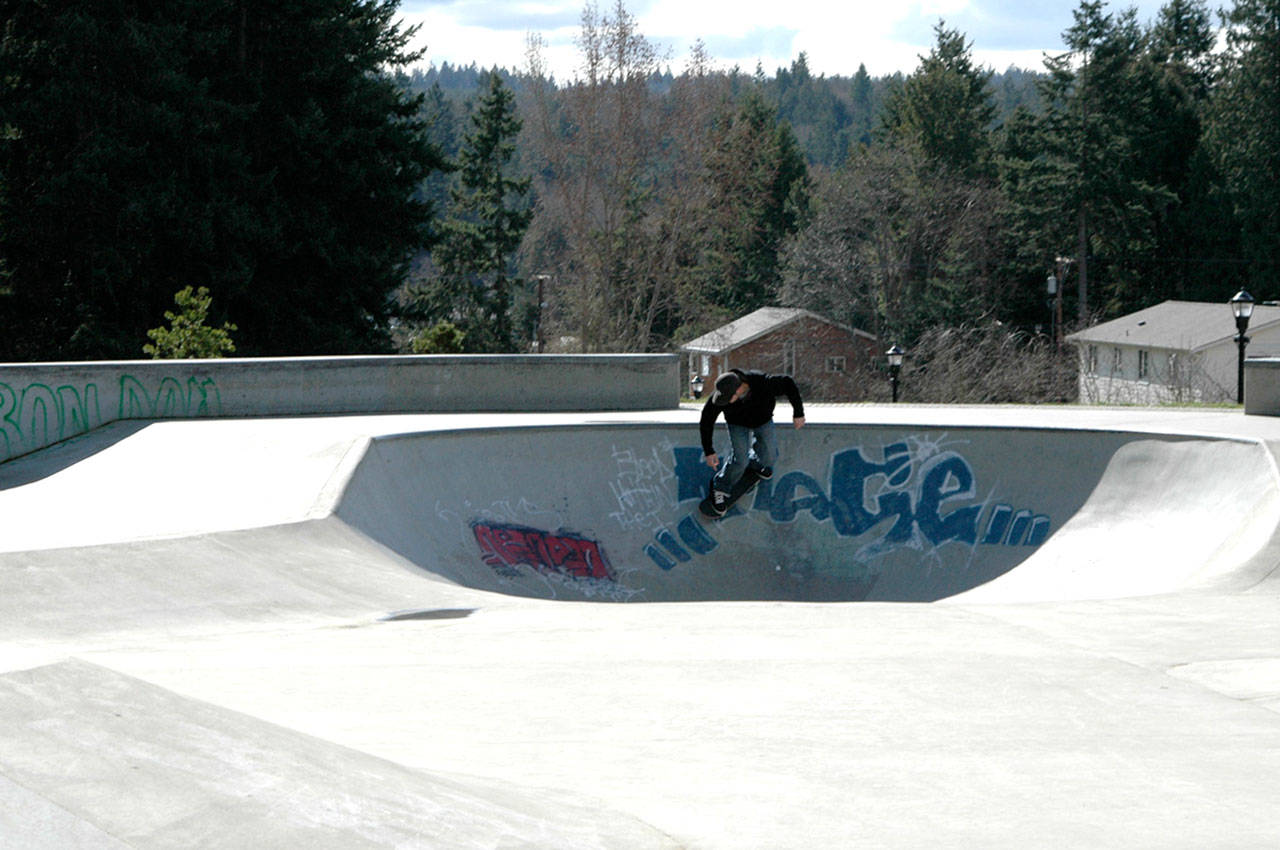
[746, 398]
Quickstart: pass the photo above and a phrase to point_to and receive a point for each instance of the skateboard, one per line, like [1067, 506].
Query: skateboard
[745, 484]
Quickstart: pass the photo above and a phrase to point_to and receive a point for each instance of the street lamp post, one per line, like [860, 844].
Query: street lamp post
[1242, 309]
[895, 356]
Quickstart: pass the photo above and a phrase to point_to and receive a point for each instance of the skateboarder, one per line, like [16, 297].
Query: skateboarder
[746, 398]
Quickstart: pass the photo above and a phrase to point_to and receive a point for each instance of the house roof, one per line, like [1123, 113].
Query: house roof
[1176, 325]
[753, 326]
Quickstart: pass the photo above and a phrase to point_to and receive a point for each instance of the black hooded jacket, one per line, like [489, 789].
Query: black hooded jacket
[753, 410]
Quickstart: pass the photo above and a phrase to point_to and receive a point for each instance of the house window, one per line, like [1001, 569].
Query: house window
[1144, 365]
[1117, 360]
[1091, 359]
[706, 365]
[835, 364]
[789, 357]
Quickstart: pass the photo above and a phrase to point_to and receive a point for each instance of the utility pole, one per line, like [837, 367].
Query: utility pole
[540, 278]
[1063, 266]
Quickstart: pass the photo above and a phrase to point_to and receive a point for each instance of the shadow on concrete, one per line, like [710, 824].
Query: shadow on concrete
[27, 469]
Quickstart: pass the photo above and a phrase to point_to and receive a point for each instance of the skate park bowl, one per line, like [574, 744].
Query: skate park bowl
[995, 627]
[854, 512]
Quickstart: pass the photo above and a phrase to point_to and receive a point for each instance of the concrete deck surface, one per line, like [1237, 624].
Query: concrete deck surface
[288, 633]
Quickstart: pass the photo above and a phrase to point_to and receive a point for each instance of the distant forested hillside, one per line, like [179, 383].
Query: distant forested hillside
[829, 115]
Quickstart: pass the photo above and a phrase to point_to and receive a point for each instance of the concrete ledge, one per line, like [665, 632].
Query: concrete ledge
[43, 403]
[1262, 386]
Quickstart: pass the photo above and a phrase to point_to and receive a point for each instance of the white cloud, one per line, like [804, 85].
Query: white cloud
[836, 37]
[885, 35]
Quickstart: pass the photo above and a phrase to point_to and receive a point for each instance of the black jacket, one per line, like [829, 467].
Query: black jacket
[756, 408]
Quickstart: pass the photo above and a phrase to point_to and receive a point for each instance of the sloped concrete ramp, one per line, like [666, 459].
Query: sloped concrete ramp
[404, 631]
[85, 739]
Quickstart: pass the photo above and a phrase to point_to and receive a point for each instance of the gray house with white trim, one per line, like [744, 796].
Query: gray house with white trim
[1177, 351]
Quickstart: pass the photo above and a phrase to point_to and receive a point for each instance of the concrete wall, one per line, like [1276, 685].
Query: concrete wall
[1262, 386]
[43, 403]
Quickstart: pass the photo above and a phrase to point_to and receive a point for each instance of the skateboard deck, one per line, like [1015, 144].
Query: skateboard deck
[745, 484]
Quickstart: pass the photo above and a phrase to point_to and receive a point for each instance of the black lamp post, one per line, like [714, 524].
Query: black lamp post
[895, 356]
[1242, 309]
[696, 384]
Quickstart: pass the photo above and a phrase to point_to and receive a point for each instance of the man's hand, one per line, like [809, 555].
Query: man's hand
[712, 460]
[799, 420]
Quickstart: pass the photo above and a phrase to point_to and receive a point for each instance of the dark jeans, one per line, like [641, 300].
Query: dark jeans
[745, 445]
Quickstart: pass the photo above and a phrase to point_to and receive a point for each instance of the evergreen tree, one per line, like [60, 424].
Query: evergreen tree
[114, 169]
[441, 118]
[1245, 134]
[1077, 174]
[1169, 143]
[473, 284]
[758, 196]
[1182, 40]
[819, 117]
[862, 119]
[188, 335]
[261, 152]
[346, 151]
[945, 107]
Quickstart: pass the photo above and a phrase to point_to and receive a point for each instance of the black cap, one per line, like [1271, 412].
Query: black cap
[726, 385]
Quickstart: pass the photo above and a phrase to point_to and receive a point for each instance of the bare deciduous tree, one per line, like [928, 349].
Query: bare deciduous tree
[988, 363]
[898, 245]
[612, 221]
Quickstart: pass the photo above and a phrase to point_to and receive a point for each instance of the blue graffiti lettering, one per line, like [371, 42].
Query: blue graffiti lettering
[949, 479]
[850, 475]
[695, 536]
[921, 496]
[784, 504]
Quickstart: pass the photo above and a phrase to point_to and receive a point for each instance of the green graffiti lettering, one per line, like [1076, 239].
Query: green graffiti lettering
[41, 415]
[9, 427]
[171, 399]
[206, 388]
[80, 413]
[135, 401]
[37, 416]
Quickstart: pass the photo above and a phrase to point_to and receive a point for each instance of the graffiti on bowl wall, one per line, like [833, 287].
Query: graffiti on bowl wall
[914, 493]
[505, 547]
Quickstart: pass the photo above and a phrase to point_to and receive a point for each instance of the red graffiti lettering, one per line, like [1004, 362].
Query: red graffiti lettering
[504, 546]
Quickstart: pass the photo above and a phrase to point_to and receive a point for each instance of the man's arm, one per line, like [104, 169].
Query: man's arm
[706, 427]
[786, 385]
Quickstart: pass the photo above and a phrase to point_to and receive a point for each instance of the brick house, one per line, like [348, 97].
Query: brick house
[824, 357]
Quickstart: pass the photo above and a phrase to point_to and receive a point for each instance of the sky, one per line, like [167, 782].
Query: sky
[835, 35]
